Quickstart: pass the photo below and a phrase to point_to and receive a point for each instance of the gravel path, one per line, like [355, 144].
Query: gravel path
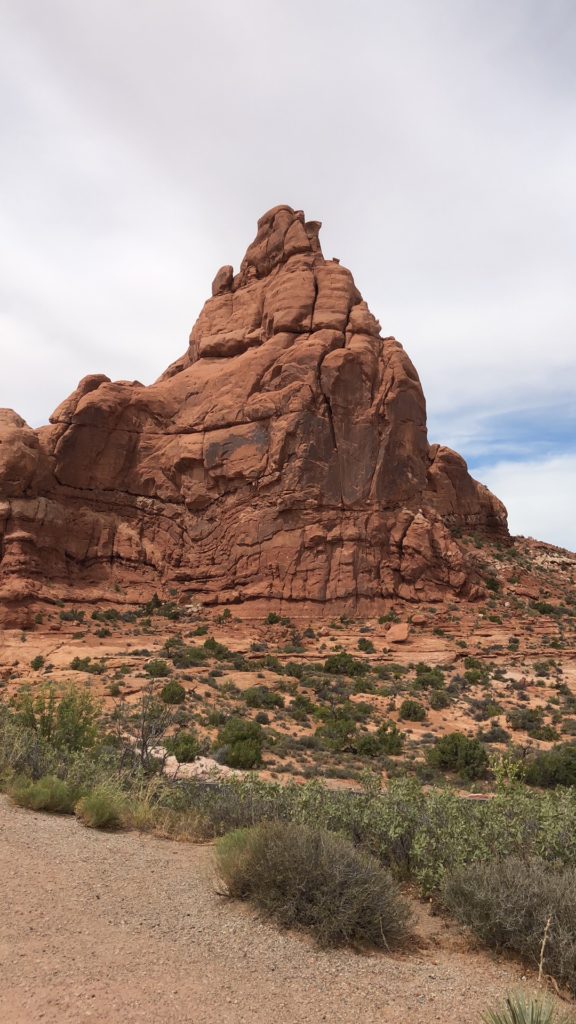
[124, 928]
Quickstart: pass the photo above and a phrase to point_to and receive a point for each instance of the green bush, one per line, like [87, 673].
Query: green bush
[262, 697]
[184, 746]
[439, 699]
[239, 743]
[456, 753]
[182, 656]
[157, 669]
[366, 645]
[243, 754]
[216, 650]
[386, 740]
[96, 668]
[108, 615]
[338, 735]
[429, 678]
[412, 711]
[69, 721]
[510, 904]
[173, 693]
[531, 720]
[102, 808]
[48, 793]
[345, 665]
[313, 879]
[73, 615]
[554, 767]
[37, 663]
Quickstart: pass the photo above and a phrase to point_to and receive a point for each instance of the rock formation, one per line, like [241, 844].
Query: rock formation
[283, 458]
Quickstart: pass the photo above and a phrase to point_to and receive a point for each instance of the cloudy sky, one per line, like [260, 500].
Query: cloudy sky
[435, 139]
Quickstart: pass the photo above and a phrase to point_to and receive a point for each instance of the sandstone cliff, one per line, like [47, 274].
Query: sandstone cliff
[284, 457]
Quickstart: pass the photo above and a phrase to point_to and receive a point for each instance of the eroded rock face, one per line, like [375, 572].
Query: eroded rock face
[284, 457]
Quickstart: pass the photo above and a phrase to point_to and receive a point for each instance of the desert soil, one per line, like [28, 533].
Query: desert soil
[119, 928]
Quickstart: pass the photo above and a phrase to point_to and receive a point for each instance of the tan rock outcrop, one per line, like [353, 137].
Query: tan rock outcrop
[284, 457]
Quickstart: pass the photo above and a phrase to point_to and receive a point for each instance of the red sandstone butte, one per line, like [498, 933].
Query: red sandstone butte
[283, 458]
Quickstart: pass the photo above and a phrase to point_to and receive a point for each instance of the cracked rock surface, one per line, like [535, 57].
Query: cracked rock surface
[283, 458]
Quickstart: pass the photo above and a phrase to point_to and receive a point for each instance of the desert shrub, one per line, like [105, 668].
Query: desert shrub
[102, 808]
[338, 735]
[217, 650]
[345, 665]
[184, 746]
[494, 734]
[262, 697]
[48, 793]
[365, 645]
[510, 904]
[531, 720]
[243, 754]
[439, 699]
[239, 743]
[368, 745]
[189, 657]
[456, 753]
[545, 608]
[484, 709]
[300, 707]
[313, 879]
[554, 767]
[167, 609]
[108, 615]
[72, 615]
[157, 668]
[521, 1009]
[412, 711]
[37, 663]
[96, 668]
[173, 693]
[22, 750]
[428, 678]
[386, 740]
[69, 721]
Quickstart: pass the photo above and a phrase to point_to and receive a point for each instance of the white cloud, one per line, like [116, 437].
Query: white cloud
[540, 497]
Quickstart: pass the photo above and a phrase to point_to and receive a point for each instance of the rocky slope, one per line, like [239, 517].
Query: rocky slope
[283, 458]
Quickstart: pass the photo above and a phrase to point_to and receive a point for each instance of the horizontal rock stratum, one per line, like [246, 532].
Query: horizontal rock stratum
[283, 458]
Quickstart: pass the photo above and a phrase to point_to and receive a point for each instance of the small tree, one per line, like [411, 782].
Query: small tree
[68, 722]
[457, 753]
[146, 725]
[184, 746]
[412, 711]
[240, 743]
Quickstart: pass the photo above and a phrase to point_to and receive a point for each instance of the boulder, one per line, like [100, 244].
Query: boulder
[398, 633]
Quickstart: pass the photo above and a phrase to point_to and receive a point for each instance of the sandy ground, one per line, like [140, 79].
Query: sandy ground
[124, 928]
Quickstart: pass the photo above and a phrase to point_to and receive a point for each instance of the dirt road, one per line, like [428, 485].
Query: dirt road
[124, 928]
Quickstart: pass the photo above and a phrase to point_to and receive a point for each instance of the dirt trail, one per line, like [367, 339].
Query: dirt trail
[124, 928]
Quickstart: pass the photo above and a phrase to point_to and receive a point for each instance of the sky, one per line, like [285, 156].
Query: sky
[435, 140]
